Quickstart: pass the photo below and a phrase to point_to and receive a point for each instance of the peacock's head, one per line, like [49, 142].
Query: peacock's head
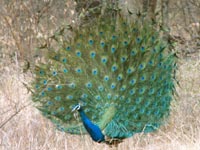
[76, 108]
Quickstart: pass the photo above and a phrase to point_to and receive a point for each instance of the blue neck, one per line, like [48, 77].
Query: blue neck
[92, 129]
[84, 117]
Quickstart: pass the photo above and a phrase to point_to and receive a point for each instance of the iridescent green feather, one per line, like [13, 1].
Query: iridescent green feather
[122, 73]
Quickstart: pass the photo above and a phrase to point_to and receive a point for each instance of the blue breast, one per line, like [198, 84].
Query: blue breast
[92, 129]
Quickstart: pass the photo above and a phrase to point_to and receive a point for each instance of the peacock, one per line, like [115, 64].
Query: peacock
[111, 80]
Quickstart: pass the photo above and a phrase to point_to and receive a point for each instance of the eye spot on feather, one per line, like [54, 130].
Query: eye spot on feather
[153, 77]
[78, 53]
[122, 97]
[153, 38]
[68, 48]
[57, 98]
[56, 57]
[159, 93]
[142, 78]
[69, 97]
[133, 108]
[160, 65]
[100, 88]
[113, 85]
[94, 71]
[160, 56]
[133, 52]
[151, 91]
[65, 70]
[114, 37]
[54, 73]
[49, 89]
[78, 70]
[84, 96]
[78, 45]
[132, 92]
[102, 44]
[61, 109]
[101, 33]
[114, 67]
[98, 97]
[119, 77]
[91, 42]
[92, 54]
[64, 60]
[142, 110]
[161, 78]
[154, 50]
[106, 78]
[142, 49]
[37, 86]
[123, 59]
[141, 66]
[88, 85]
[138, 40]
[123, 88]
[104, 60]
[41, 72]
[125, 43]
[43, 93]
[141, 90]
[147, 103]
[109, 96]
[138, 100]
[72, 85]
[45, 82]
[113, 49]
[130, 70]
[53, 113]
[59, 87]
[132, 81]
[115, 97]
[151, 62]
[49, 103]
[128, 101]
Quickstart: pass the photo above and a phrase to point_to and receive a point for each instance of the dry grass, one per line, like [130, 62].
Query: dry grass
[22, 127]
[27, 129]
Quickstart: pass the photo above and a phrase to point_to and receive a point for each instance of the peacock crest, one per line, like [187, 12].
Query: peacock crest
[121, 73]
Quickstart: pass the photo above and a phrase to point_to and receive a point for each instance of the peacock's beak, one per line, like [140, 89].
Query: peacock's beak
[73, 109]
[77, 107]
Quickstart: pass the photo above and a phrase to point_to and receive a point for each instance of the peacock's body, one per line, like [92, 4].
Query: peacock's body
[94, 131]
[121, 73]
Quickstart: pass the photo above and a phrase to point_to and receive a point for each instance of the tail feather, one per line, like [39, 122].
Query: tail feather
[122, 73]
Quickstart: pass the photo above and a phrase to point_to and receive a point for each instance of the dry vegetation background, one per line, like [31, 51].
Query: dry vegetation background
[27, 24]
